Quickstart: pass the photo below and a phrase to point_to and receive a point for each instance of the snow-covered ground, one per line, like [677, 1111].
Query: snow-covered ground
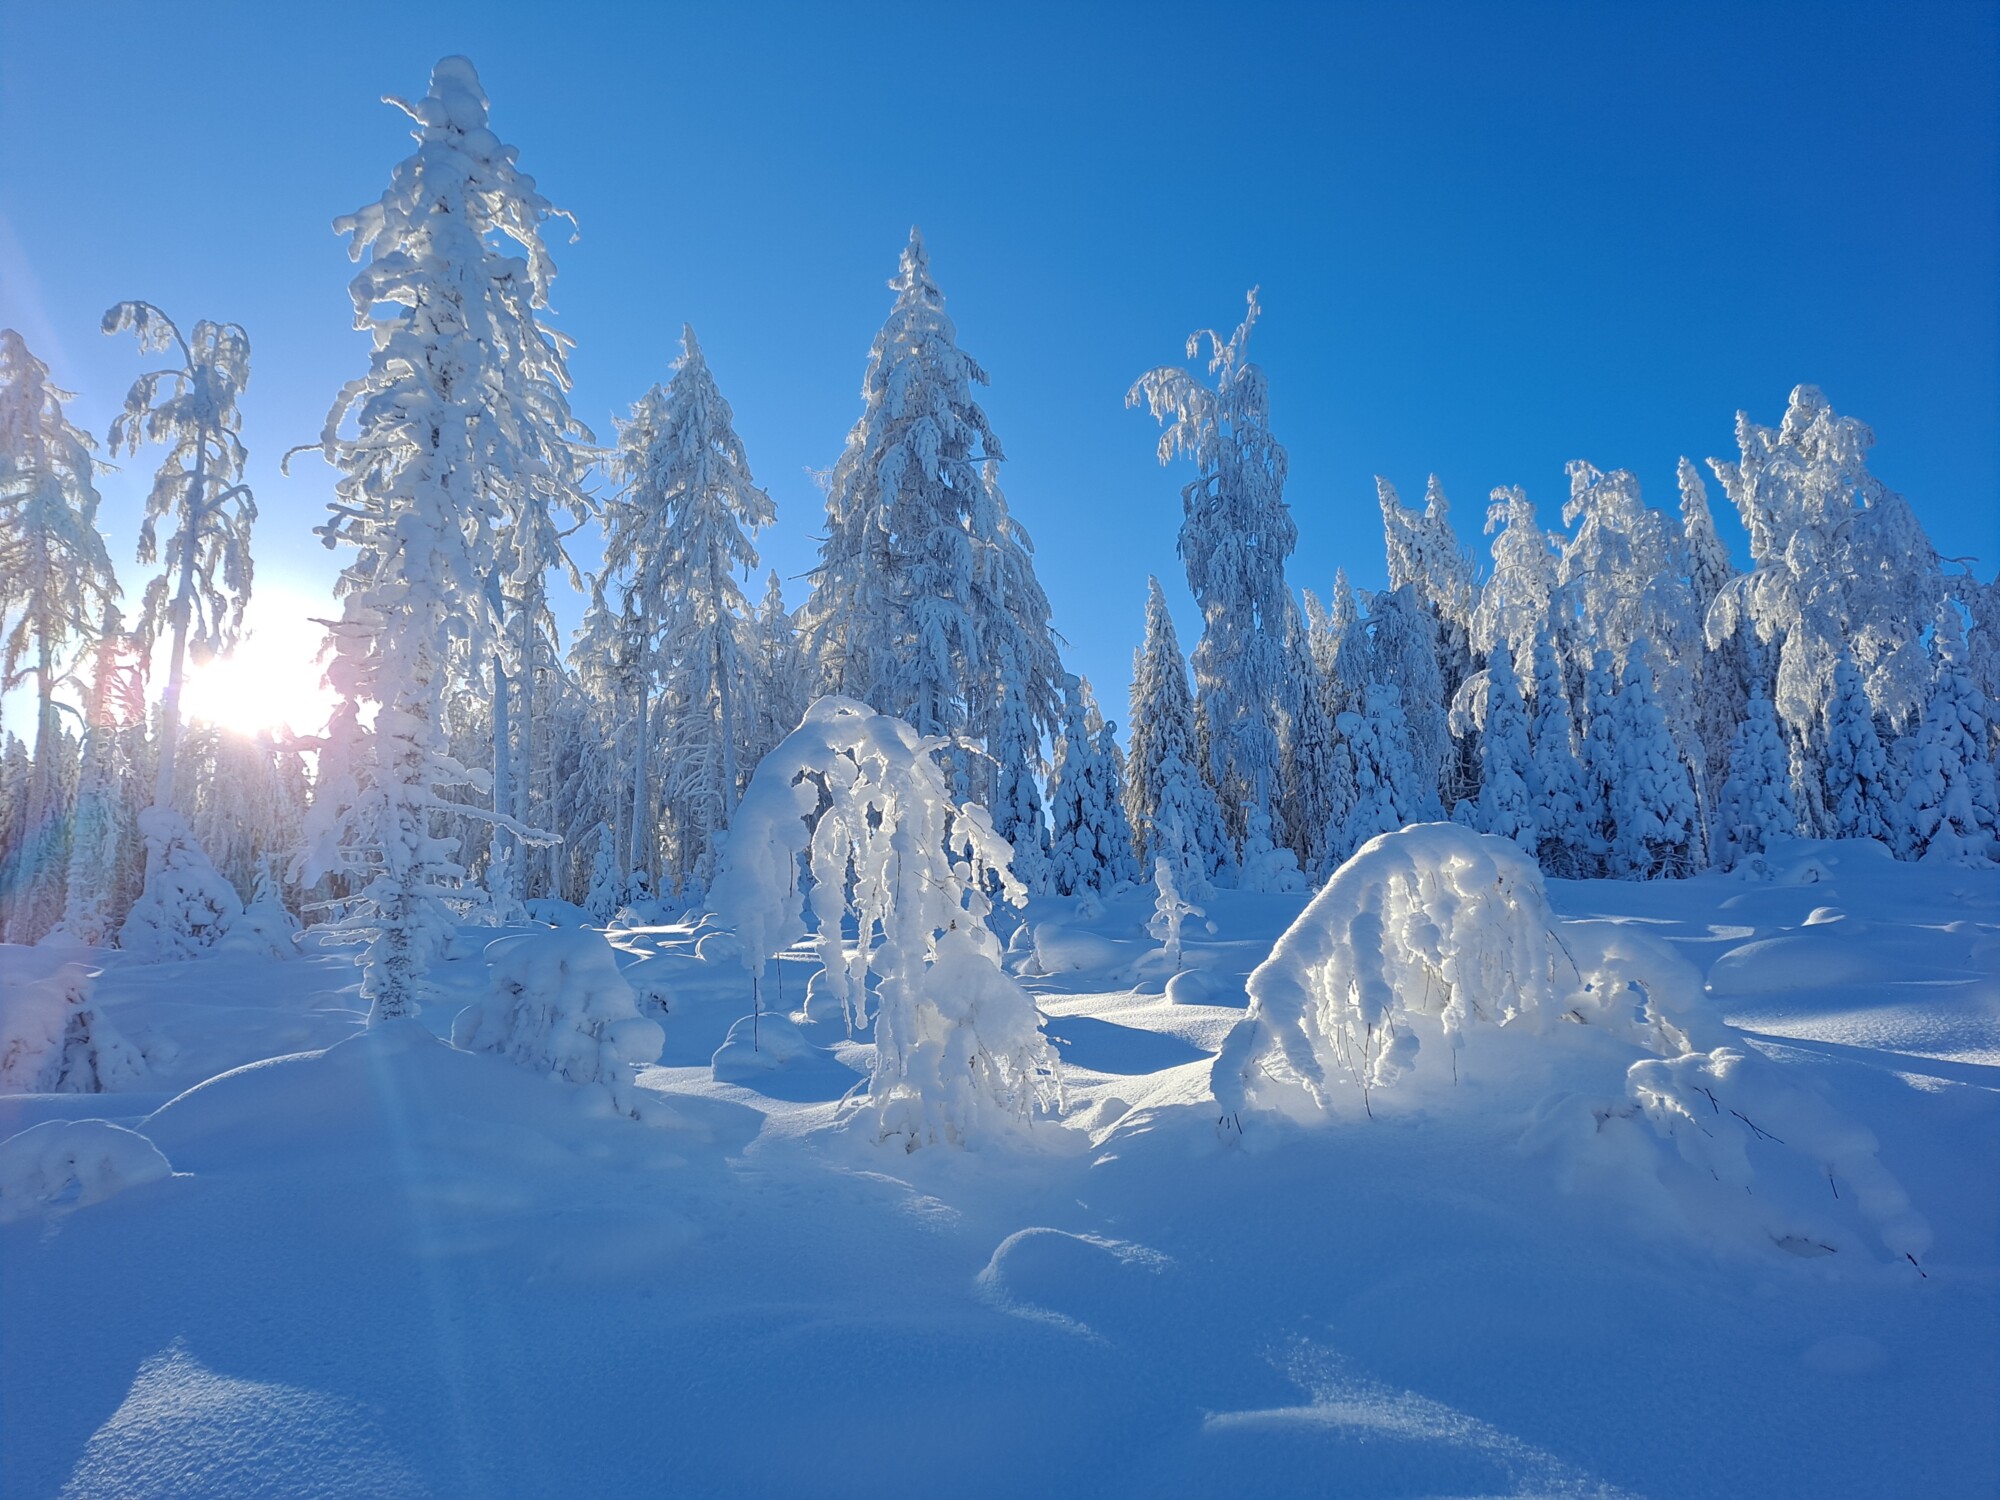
[384, 1266]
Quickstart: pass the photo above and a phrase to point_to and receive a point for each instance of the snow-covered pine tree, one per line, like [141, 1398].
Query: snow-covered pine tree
[1838, 563]
[186, 907]
[1857, 772]
[199, 596]
[782, 689]
[103, 825]
[1312, 784]
[1723, 676]
[55, 581]
[1514, 603]
[924, 603]
[1090, 848]
[1555, 781]
[1164, 781]
[1982, 640]
[453, 408]
[1755, 802]
[1330, 627]
[1505, 806]
[1236, 533]
[1403, 656]
[1598, 760]
[1425, 554]
[687, 475]
[1390, 789]
[1650, 797]
[1951, 809]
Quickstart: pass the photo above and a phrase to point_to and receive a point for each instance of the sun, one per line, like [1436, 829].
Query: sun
[272, 680]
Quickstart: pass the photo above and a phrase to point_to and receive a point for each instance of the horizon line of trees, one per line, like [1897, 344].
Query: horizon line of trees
[1618, 698]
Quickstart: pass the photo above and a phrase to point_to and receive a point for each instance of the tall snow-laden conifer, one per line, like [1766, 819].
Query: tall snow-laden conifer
[1505, 807]
[1857, 771]
[1555, 784]
[458, 405]
[1387, 781]
[1173, 809]
[1090, 849]
[92, 909]
[1723, 670]
[1514, 603]
[1651, 800]
[687, 472]
[1754, 805]
[1236, 533]
[1425, 555]
[782, 689]
[1306, 740]
[1951, 809]
[1403, 656]
[198, 599]
[924, 602]
[1838, 564]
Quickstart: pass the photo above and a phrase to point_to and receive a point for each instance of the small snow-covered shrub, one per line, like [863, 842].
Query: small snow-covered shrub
[186, 906]
[860, 797]
[1170, 909]
[64, 1164]
[266, 929]
[1433, 935]
[558, 1004]
[53, 1039]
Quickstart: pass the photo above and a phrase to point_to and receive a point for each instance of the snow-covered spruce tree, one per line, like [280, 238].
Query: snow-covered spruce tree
[1316, 795]
[454, 407]
[1555, 779]
[1623, 579]
[1981, 603]
[54, 1038]
[92, 910]
[1164, 778]
[1857, 787]
[1330, 628]
[1425, 556]
[1838, 563]
[55, 580]
[1505, 806]
[688, 486]
[1514, 603]
[1170, 910]
[1598, 760]
[1403, 656]
[860, 796]
[1236, 533]
[1653, 829]
[1723, 675]
[782, 690]
[1755, 803]
[199, 493]
[1389, 787]
[1090, 849]
[1951, 809]
[607, 877]
[924, 603]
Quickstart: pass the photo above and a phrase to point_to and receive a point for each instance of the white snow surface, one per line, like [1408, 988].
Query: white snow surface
[387, 1266]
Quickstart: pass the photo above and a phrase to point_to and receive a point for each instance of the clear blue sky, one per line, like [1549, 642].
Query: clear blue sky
[1490, 238]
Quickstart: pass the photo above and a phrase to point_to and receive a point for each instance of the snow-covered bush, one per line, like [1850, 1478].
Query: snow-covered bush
[186, 906]
[64, 1164]
[1435, 935]
[266, 928]
[53, 1039]
[861, 797]
[557, 1003]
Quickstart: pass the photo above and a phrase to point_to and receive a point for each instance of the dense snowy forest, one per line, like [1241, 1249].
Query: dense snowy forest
[1619, 698]
[1309, 1076]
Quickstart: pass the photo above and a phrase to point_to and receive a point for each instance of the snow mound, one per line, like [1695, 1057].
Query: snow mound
[559, 1003]
[53, 1037]
[1084, 1283]
[184, 1429]
[65, 1164]
[1435, 932]
[757, 1045]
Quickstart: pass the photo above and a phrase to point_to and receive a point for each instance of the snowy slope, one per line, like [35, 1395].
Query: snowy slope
[388, 1267]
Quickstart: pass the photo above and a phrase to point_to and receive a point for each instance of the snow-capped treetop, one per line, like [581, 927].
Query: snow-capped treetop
[1709, 568]
[1837, 558]
[192, 409]
[1424, 552]
[1236, 533]
[1515, 601]
[1163, 778]
[55, 574]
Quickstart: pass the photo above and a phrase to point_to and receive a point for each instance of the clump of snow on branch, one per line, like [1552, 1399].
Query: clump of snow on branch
[1435, 935]
[557, 1003]
[53, 1038]
[66, 1164]
[861, 798]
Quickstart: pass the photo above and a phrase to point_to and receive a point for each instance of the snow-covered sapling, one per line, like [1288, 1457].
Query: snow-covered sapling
[861, 798]
[1170, 909]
